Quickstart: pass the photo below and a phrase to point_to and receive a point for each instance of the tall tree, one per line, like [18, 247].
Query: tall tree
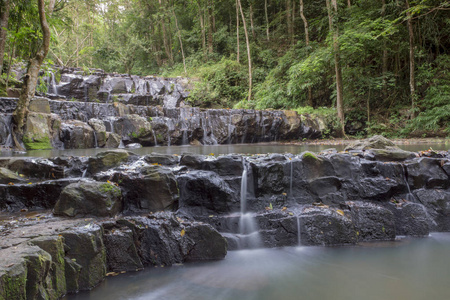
[332, 16]
[305, 24]
[412, 81]
[4, 17]
[267, 20]
[237, 32]
[249, 58]
[31, 77]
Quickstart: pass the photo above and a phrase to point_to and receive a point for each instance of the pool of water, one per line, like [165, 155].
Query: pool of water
[406, 269]
[219, 149]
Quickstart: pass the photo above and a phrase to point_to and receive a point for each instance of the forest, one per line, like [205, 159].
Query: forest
[369, 66]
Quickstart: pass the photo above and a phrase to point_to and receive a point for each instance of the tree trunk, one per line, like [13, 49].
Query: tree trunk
[4, 17]
[337, 67]
[385, 54]
[267, 20]
[202, 27]
[305, 24]
[181, 42]
[166, 43]
[31, 77]
[289, 21]
[237, 31]
[412, 82]
[248, 52]
[251, 21]
[210, 28]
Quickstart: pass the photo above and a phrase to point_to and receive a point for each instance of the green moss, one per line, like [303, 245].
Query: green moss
[309, 155]
[38, 144]
[108, 188]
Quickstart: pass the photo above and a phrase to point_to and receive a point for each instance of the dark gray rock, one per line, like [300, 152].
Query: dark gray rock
[89, 198]
[372, 222]
[326, 226]
[427, 172]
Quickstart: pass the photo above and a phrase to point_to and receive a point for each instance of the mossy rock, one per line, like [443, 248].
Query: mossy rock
[106, 160]
[89, 198]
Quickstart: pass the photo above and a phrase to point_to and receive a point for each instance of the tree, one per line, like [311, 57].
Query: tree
[332, 15]
[31, 76]
[249, 58]
[4, 17]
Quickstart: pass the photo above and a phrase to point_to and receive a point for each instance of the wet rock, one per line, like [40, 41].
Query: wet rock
[37, 133]
[151, 189]
[134, 129]
[437, 203]
[326, 226]
[113, 140]
[107, 160]
[165, 240]
[121, 252]
[76, 135]
[26, 273]
[54, 245]
[7, 176]
[41, 168]
[411, 219]
[372, 222]
[133, 146]
[205, 193]
[392, 155]
[278, 229]
[43, 195]
[101, 135]
[427, 172]
[84, 245]
[375, 142]
[89, 198]
[162, 159]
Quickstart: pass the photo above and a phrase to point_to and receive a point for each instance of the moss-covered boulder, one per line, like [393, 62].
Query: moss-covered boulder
[107, 160]
[37, 133]
[89, 198]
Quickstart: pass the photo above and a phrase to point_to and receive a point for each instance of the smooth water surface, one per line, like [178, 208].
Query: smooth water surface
[261, 148]
[407, 269]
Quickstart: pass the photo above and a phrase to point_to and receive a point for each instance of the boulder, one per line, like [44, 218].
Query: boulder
[150, 189]
[107, 160]
[89, 198]
[206, 193]
[374, 142]
[326, 226]
[7, 176]
[121, 251]
[84, 246]
[427, 172]
[37, 133]
[372, 222]
[76, 135]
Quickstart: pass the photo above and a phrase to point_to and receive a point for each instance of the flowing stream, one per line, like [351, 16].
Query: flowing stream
[405, 269]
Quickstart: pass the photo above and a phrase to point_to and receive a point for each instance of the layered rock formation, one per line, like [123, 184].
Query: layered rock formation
[111, 110]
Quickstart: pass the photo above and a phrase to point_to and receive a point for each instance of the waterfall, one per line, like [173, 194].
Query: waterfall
[54, 89]
[248, 227]
[154, 138]
[95, 140]
[229, 128]
[299, 236]
[290, 178]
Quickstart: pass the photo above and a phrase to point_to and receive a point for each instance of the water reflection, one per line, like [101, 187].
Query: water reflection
[218, 149]
[407, 269]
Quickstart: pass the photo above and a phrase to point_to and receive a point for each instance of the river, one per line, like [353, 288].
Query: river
[404, 269]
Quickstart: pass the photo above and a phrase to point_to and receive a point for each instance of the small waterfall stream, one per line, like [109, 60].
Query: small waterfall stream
[248, 228]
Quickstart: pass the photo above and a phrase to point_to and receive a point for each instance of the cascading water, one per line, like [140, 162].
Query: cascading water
[154, 138]
[54, 88]
[248, 229]
[299, 235]
[291, 195]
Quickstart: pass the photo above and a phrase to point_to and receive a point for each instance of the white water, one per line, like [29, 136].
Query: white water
[299, 236]
[249, 236]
